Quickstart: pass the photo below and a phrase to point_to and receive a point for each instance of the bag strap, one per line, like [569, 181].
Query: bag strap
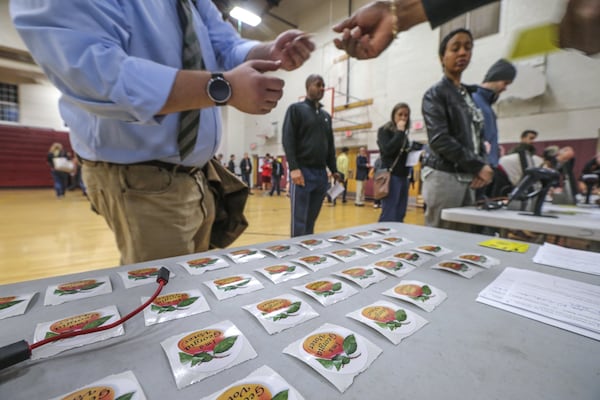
[402, 150]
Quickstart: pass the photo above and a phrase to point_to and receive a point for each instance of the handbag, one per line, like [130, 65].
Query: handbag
[63, 164]
[382, 178]
[231, 195]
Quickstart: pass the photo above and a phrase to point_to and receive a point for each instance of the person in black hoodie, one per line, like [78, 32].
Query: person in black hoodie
[310, 150]
[394, 146]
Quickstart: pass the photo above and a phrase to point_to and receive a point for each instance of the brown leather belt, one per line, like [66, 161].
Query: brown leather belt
[153, 163]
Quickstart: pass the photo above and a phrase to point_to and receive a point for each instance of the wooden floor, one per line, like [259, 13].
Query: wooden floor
[42, 236]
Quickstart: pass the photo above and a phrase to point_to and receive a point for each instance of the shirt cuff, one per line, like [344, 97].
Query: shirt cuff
[146, 86]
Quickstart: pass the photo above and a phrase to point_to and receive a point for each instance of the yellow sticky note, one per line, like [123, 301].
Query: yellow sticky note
[536, 40]
[505, 245]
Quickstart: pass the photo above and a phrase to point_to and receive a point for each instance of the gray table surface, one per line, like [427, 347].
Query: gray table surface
[579, 225]
[467, 351]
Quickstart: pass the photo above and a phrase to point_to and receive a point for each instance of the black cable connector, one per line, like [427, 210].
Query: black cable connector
[14, 354]
[163, 275]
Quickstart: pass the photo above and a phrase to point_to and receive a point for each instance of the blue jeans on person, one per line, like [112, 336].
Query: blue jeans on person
[246, 179]
[60, 182]
[307, 200]
[393, 207]
[275, 185]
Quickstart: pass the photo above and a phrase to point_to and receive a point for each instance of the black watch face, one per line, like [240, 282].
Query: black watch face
[220, 90]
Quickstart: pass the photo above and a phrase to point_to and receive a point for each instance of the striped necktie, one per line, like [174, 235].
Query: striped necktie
[192, 59]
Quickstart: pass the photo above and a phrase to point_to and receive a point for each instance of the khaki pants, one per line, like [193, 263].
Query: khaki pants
[360, 192]
[154, 213]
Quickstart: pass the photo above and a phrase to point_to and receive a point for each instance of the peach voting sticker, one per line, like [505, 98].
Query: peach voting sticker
[81, 289]
[196, 355]
[11, 306]
[141, 276]
[395, 240]
[390, 320]
[76, 323]
[245, 255]
[316, 262]
[170, 306]
[393, 266]
[458, 267]
[433, 249]
[282, 272]
[119, 387]
[281, 250]
[314, 244]
[198, 266]
[347, 255]
[478, 259]
[337, 353]
[327, 291]
[235, 285]
[282, 312]
[362, 276]
[264, 383]
[412, 257]
[343, 239]
[418, 293]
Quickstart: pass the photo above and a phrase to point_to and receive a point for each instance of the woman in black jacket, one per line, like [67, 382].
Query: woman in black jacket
[393, 142]
[455, 163]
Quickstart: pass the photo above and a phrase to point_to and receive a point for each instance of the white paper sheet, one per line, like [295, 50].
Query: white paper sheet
[576, 260]
[413, 158]
[335, 190]
[565, 303]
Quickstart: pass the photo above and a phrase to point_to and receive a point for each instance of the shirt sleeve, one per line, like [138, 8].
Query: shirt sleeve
[82, 53]
[441, 11]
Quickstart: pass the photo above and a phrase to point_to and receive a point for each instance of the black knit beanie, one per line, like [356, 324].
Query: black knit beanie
[502, 70]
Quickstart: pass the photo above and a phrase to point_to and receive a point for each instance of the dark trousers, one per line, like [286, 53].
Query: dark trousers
[393, 207]
[246, 179]
[60, 182]
[307, 200]
[275, 185]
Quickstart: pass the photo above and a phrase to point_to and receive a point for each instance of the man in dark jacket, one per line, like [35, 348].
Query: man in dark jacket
[246, 170]
[231, 164]
[276, 174]
[362, 174]
[309, 148]
[498, 77]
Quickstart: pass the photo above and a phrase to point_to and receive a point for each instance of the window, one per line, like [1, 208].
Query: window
[9, 102]
[483, 21]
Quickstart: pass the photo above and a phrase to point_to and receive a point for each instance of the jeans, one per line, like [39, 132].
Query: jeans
[60, 182]
[307, 200]
[393, 207]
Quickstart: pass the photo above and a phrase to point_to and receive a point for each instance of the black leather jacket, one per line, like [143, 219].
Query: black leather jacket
[448, 121]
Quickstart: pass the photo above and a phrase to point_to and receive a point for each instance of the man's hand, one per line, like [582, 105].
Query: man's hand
[369, 31]
[292, 48]
[483, 178]
[252, 91]
[580, 26]
[336, 176]
[297, 177]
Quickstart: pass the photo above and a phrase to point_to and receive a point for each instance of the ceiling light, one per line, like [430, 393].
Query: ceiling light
[245, 16]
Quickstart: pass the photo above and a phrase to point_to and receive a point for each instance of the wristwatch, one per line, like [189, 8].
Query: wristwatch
[218, 89]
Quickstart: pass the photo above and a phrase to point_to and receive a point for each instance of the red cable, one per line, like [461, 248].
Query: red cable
[66, 335]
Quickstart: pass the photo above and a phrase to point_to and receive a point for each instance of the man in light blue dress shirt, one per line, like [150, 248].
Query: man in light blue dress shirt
[118, 66]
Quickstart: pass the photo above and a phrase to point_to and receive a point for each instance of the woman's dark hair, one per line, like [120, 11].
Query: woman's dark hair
[392, 123]
[446, 39]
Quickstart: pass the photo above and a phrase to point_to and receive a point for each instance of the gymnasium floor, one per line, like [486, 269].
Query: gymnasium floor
[41, 236]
